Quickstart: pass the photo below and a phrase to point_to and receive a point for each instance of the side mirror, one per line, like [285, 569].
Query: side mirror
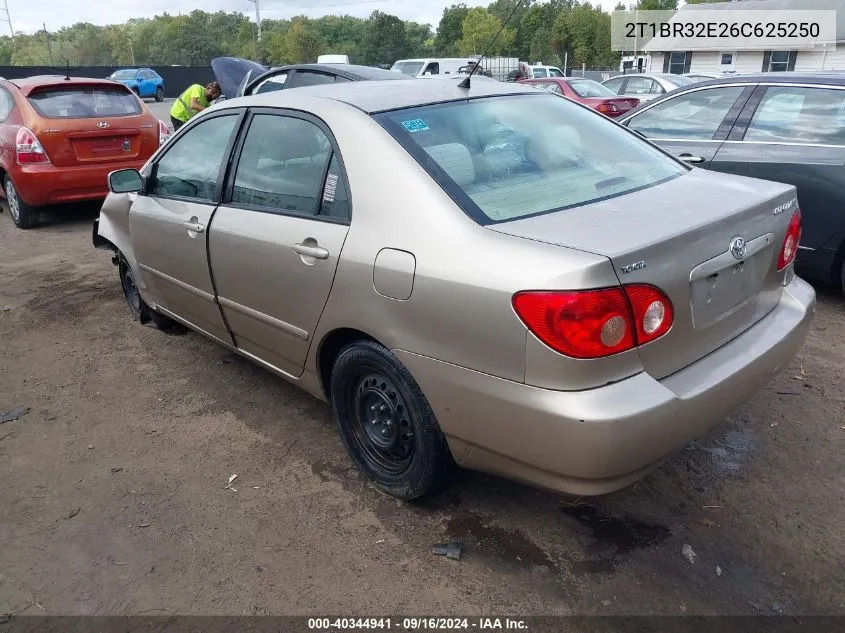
[126, 181]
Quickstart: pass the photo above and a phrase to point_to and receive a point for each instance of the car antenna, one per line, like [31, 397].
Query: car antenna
[67, 70]
[465, 83]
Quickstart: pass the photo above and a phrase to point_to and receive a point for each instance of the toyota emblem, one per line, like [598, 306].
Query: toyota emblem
[103, 124]
[738, 248]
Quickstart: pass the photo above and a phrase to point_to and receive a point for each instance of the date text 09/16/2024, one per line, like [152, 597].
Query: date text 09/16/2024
[417, 624]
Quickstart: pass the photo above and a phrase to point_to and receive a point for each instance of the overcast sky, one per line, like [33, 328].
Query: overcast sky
[28, 15]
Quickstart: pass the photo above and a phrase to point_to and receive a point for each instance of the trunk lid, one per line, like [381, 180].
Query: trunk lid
[677, 236]
[96, 124]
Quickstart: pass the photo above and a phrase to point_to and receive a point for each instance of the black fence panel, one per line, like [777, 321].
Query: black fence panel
[176, 78]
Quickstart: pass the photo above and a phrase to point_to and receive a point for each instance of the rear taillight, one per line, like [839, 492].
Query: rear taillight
[28, 149]
[595, 323]
[163, 133]
[607, 108]
[790, 243]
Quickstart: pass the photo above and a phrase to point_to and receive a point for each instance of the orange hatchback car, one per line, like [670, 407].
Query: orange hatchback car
[61, 137]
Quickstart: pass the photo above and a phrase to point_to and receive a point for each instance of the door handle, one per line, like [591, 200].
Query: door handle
[194, 227]
[317, 252]
[689, 158]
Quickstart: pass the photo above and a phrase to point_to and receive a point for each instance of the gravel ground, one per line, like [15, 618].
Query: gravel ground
[113, 498]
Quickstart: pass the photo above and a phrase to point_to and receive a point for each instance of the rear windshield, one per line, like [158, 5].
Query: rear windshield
[589, 88]
[76, 102]
[499, 163]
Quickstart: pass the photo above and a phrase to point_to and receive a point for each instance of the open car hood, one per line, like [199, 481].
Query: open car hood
[233, 73]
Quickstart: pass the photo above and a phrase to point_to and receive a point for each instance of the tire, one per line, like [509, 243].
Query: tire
[139, 309]
[401, 447]
[159, 94]
[24, 215]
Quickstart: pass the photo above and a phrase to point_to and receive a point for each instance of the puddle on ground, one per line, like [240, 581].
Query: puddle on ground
[623, 535]
[730, 452]
[327, 470]
[495, 544]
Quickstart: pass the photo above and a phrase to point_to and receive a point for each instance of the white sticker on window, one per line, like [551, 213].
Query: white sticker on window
[331, 188]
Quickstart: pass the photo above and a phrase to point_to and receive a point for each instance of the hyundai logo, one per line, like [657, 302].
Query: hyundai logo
[103, 124]
[738, 248]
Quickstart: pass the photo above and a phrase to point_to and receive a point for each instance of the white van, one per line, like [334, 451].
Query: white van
[431, 67]
[333, 59]
[539, 71]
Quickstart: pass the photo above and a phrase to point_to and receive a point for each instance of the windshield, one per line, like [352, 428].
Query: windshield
[590, 88]
[500, 165]
[407, 68]
[124, 74]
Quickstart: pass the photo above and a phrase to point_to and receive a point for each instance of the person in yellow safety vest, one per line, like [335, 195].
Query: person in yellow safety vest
[191, 102]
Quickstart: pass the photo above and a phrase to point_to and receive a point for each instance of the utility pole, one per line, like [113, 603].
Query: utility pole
[257, 30]
[47, 37]
[8, 18]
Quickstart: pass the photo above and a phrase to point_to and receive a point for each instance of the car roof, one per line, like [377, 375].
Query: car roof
[380, 96]
[351, 71]
[821, 78]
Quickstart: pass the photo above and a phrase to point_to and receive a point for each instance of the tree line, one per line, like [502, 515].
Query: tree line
[549, 31]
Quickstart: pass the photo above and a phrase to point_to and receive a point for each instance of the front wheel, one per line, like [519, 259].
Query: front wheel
[24, 215]
[386, 423]
[159, 94]
[137, 306]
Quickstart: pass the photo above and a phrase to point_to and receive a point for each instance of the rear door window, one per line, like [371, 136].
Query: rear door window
[288, 166]
[799, 115]
[639, 86]
[614, 84]
[84, 102]
[695, 115]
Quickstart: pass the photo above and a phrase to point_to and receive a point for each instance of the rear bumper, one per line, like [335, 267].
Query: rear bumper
[47, 184]
[596, 441]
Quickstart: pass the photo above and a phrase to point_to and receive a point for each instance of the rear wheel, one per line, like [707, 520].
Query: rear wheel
[24, 216]
[137, 306]
[159, 94]
[386, 422]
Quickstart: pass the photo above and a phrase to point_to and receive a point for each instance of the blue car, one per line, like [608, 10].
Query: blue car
[145, 82]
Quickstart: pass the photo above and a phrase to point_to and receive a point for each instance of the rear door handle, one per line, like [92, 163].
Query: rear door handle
[194, 227]
[689, 158]
[317, 252]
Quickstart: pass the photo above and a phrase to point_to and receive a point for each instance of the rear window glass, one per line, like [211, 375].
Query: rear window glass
[82, 102]
[501, 165]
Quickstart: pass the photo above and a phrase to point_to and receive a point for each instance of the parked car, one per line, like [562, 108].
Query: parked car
[240, 77]
[545, 297]
[144, 82]
[590, 93]
[538, 71]
[786, 127]
[60, 137]
[646, 87]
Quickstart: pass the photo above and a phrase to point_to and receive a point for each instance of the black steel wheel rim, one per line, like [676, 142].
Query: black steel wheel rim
[133, 297]
[381, 424]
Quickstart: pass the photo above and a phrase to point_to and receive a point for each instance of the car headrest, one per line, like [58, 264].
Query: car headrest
[455, 160]
[554, 148]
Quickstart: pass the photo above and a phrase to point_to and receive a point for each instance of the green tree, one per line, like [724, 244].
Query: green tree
[705, 1]
[450, 30]
[479, 29]
[304, 43]
[418, 37]
[657, 5]
[384, 41]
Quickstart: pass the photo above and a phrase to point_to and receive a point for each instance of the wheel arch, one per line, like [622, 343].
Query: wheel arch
[329, 349]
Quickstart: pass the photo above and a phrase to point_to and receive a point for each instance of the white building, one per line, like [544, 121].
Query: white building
[673, 55]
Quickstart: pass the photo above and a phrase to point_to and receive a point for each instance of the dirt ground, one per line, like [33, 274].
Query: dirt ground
[113, 498]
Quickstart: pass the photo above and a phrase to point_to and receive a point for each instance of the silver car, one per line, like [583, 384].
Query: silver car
[647, 86]
[492, 275]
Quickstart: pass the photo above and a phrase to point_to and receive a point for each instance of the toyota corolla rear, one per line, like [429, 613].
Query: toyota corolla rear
[601, 98]
[73, 133]
[680, 305]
